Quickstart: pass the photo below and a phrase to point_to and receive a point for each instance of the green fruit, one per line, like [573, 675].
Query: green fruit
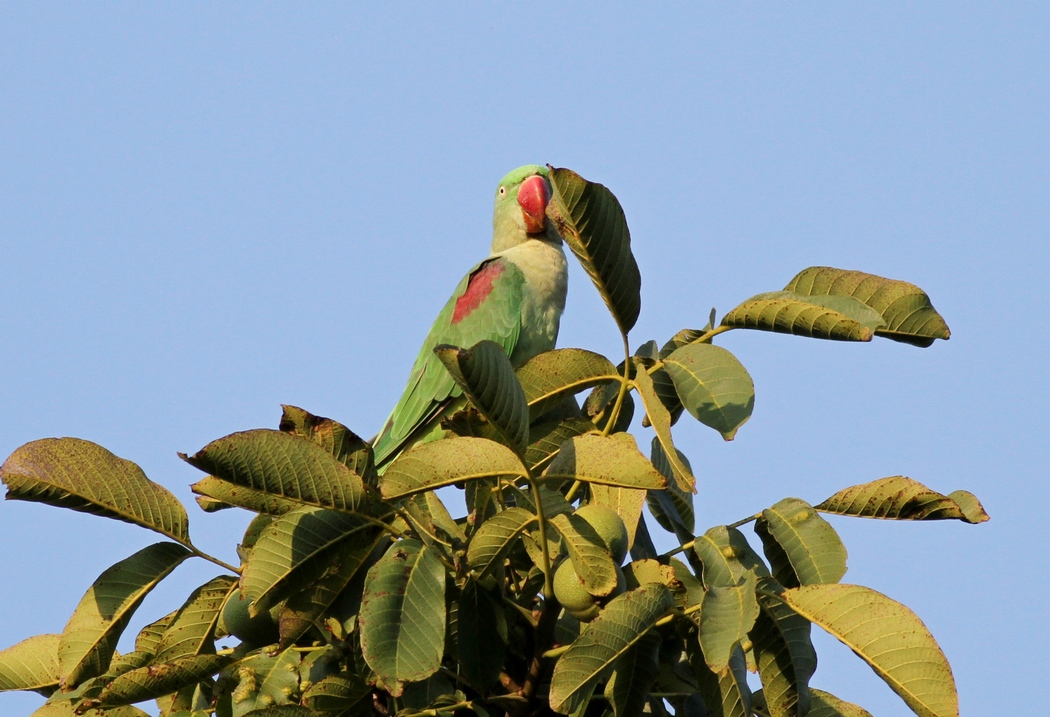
[609, 527]
[258, 630]
[573, 596]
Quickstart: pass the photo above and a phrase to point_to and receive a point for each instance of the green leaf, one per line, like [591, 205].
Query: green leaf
[336, 693]
[971, 507]
[230, 494]
[662, 383]
[281, 711]
[306, 606]
[904, 308]
[886, 635]
[900, 498]
[627, 690]
[607, 460]
[402, 617]
[590, 559]
[284, 465]
[550, 376]
[346, 446]
[592, 223]
[672, 507]
[451, 460]
[90, 637]
[598, 407]
[157, 680]
[485, 374]
[32, 664]
[726, 557]
[296, 550]
[80, 475]
[727, 615]
[266, 680]
[627, 502]
[812, 546]
[825, 704]
[784, 653]
[494, 539]
[192, 630]
[67, 709]
[661, 423]
[549, 437]
[785, 312]
[714, 386]
[726, 694]
[481, 634]
[620, 625]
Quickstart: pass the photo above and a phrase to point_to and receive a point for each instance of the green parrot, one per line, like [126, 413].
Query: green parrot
[515, 297]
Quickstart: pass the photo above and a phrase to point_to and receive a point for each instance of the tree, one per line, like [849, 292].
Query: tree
[359, 594]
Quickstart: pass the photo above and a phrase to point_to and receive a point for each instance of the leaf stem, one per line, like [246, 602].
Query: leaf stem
[625, 382]
[548, 582]
[744, 521]
[680, 549]
[212, 559]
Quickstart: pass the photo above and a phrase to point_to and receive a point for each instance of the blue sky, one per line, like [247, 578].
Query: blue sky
[207, 211]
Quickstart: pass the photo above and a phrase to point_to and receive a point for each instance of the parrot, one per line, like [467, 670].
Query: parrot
[515, 298]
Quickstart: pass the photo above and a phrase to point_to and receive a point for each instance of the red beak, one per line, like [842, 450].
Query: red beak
[533, 198]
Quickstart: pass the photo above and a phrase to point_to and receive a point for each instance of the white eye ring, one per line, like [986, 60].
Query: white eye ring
[502, 191]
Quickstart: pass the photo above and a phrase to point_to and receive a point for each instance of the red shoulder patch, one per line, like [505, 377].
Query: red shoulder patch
[478, 289]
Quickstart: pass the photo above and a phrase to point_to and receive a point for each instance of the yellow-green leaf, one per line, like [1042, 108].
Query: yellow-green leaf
[727, 615]
[825, 704]
[32, 664]
[906, 310]
[494, 539]
[192, 630]
[590, 559]
[552, 375]
[612, 460]
[230, 494]
[784, 654]
[83, 476]
[451, 460]
[90, 637]
[726, 556]
[889, 637]
[591, 221]
[660, 419]
[627, 502]
[156, 680]
[901, 498]
[785, 312]
[345, 445]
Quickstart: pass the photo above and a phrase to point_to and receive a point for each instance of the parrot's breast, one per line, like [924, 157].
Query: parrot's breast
[546, 275]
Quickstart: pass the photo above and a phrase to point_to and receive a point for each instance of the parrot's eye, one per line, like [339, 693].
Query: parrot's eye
[502, 191]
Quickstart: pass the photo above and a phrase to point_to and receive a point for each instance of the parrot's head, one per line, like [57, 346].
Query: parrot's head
[521, 208]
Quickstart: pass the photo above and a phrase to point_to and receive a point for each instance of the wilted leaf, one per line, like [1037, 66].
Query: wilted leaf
[900, 498]
[713, 385]
[620, 625]
[32, 664]
[297, 549]
[608, 460]
[592, 223]
[886, 635]
[552, 375]
[905, 308]
[784, 653]
[155, 680]
[811, 545]
[345, 445]
[661, 422]
[494, 539]
[402, 617]
[80, 475]
[727, 615]
[231, 494]
[90, 637]
[837, 318]
[485, 374]
[451, 460]
[590, 559]
[192, 630]
[284, 465]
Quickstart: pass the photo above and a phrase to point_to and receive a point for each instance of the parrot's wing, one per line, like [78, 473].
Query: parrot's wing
[486, 305]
